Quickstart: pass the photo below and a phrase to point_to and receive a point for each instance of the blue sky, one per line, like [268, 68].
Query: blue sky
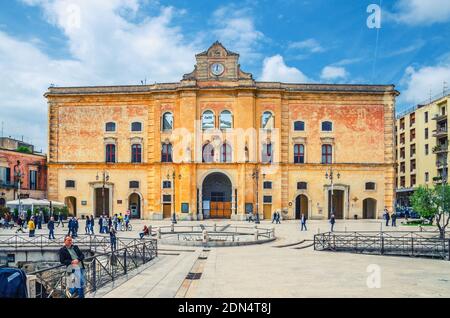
[107, 42]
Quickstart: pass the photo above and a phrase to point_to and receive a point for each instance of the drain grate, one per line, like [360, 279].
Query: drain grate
[203, 257]
[194, 276]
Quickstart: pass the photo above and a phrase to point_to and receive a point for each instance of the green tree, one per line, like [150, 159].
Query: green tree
[24, 149]
[433, 203]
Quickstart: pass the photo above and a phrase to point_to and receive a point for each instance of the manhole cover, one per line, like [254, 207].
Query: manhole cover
[194, 276]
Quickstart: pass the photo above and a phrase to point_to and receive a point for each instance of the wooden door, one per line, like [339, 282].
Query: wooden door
[267, 211]
[167, 211]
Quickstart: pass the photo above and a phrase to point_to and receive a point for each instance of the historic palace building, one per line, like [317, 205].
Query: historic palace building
[219, 144]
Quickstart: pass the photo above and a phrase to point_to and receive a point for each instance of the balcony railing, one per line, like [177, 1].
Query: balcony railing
[439, 117]
[440, 148]
[443, 131]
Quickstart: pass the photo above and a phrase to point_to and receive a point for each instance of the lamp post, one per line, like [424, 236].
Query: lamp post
[105, 179]
[174, 216]
[329, 175]
[18, 177]
[255, 177]
[443, 162]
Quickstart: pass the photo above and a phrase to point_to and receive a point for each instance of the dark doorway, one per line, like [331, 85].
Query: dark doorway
[71, 204]
[217, 194]
[301, 206]
[369, 208]
[101, 199]
[134, 202]
[338, 204]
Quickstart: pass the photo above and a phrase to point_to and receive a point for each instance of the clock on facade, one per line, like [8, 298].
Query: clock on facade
[217, 69]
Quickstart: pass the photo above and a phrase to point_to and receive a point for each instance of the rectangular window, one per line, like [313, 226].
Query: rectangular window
[412, 119]
[267, 199]
[110, 153]
[413, 180]
[402, 123]
[167, 198]
[267, 153]
[327, 154]
[413, 165]
[426, 117]
[134, 184]
[412, 149]
[402, 182]
[70, 184]
[136, 153]
[5, 176]
[427, 177]
[426, 133]
[267, 185]
[33, 180]
[167, 184]
[427, 150]
[299, 154]
[412, 135]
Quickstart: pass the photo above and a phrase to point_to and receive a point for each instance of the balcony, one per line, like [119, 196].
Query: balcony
[441, 132]
[7, 185]
[440, 148]
[440, 117]
[437, 180]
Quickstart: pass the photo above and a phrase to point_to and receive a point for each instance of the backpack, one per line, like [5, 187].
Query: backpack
[13, 283]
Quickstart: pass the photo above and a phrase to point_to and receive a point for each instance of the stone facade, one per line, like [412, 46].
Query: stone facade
[361, 137]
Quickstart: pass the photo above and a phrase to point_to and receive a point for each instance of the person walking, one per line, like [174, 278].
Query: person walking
[274, 217]
[278, 218]
[87, 227]
[386, 216]
[70, 227]
[20, 225]
[120, 220]
[105, 225]
[394, 219]
[31, 227]
[113, 238]
[303, 222]
[75, 227]
[72, 257]
[332, 222]
[91, 225]
[100, 224]
[127, 221]
[60, 219]
[51, 228]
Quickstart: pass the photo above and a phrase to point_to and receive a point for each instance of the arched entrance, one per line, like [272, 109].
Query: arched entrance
[217, 196]
[71, 203]
[338, 204]
[134, 205]
[301, 206]
[369, 208]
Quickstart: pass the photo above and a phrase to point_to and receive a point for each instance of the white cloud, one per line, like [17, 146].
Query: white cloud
[417, 12]
[333, 72]
[275, 70]
[419, 82]
[235, 28]
[311, 45]
[105, 49]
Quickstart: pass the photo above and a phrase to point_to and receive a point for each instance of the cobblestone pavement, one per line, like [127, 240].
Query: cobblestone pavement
[268, 271]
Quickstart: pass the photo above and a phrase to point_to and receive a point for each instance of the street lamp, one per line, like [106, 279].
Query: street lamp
[174, 216]
[105, 179]
[18, 178]
[329, 175]
[255, 177]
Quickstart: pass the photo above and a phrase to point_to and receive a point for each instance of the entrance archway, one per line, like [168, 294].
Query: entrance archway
[101, 200]
[134, 204]
[71, 203]
[217, 196]
[301, 206]
[369, 208]
[338, 204]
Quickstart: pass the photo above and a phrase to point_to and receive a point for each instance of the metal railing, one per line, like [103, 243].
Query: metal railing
[412, 244]
[99, 270]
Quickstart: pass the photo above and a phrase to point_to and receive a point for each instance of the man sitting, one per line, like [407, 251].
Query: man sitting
[145, 232]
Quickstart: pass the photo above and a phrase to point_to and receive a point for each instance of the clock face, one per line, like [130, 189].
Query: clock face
[217, 69]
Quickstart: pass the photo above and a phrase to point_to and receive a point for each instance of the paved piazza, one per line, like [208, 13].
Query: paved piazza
[271, 271]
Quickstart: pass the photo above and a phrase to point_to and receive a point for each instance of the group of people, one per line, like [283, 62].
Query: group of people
[388, 218]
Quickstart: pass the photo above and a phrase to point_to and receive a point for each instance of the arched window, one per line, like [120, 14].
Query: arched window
[167, 121]
[327, 126]
[110, 127]
[267, 121]
[327, 154]
[136, 153]
[110, 153]
[299, 153]
[166, 153]
[208, 121]
[225, 153]
[136, 126]
[226, 120]
[299, 126]
[267, 153]
[208, 153]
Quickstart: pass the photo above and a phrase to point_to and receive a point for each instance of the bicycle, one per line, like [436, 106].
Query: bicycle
[122, 226]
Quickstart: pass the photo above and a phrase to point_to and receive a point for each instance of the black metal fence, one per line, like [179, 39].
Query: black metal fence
[412, 244]
[99, 271]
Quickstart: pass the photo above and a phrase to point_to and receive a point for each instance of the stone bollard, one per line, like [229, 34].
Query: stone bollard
[256, 235]
[215, 228]
[150, 230]
[205, 237]
[158, 233]
[31, 286]
[172, 228]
